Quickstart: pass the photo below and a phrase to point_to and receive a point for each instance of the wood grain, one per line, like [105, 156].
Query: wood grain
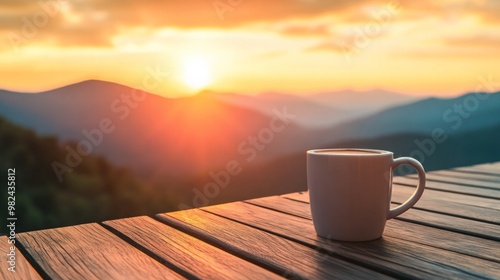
[414, 259]
[276, 253]
[90, 252]
[23, 269]
[450, 233]
[188, 253]
[450, 187]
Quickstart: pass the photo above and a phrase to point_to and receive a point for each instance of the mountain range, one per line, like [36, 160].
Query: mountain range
[188, 140]
[453, 115]
[153, 134]
[320, 110]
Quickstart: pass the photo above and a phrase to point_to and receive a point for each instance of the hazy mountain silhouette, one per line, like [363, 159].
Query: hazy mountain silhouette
[323, 109]
[183, 145]
[452, 115]
[309, 113]
[156, 136]
[63, 111]
[180, 139]
[362, 103]
[459, 149]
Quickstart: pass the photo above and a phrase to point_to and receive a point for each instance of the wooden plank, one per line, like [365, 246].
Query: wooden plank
[90, 252]
[461, 181]
[456, 224]
[493, 165]
[403, 192]
[435, 219]
[300, 196]
[197, 258]
[440, 185]
[283, 256]
[472, 170]
[439, 202]
[22, 268]
[282, 204]
[465, 234]
[469, 175]
[413, 259]
[489, 168]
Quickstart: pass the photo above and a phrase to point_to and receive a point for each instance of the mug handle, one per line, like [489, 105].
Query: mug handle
[420, 186]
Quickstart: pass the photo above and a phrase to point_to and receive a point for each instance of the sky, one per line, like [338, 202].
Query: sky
[442, 48]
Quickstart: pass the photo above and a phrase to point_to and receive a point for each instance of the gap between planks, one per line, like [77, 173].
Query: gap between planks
[24, 269]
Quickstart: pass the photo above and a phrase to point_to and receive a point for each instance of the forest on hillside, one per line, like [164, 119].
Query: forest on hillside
[94, 190]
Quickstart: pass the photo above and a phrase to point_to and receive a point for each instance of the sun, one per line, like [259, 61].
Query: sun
[196, 73]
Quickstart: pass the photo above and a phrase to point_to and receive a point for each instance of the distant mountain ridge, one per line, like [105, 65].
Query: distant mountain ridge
[452, 115]
[459, 149]
[156, 135]
[245, 146]
[363, 103]
[170, 139]
[45, 111]
[309, 113]
[321, 110]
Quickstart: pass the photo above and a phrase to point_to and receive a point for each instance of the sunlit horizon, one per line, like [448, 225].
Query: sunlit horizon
[295, 47]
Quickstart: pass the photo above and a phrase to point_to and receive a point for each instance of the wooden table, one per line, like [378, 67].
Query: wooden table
[452, 232]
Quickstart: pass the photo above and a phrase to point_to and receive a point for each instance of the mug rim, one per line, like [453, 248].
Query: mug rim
[366, 152]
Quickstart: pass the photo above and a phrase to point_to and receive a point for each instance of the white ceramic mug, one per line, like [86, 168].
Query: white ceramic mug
[350, 191]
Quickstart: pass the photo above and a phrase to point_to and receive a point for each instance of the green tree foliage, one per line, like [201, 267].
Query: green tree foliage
[94, 191]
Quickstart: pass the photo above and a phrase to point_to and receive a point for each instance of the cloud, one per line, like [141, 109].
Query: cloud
[216, 13]
[489, 12]
[10, 5]
[482, 46]
[54, 22]
[477, 41]
[331, 46]
[301, 29]
[96, 22]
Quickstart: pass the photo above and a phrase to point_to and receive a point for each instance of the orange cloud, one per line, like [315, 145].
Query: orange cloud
[480, 41]
[95, 23]
[332, 46]
[321, 29]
